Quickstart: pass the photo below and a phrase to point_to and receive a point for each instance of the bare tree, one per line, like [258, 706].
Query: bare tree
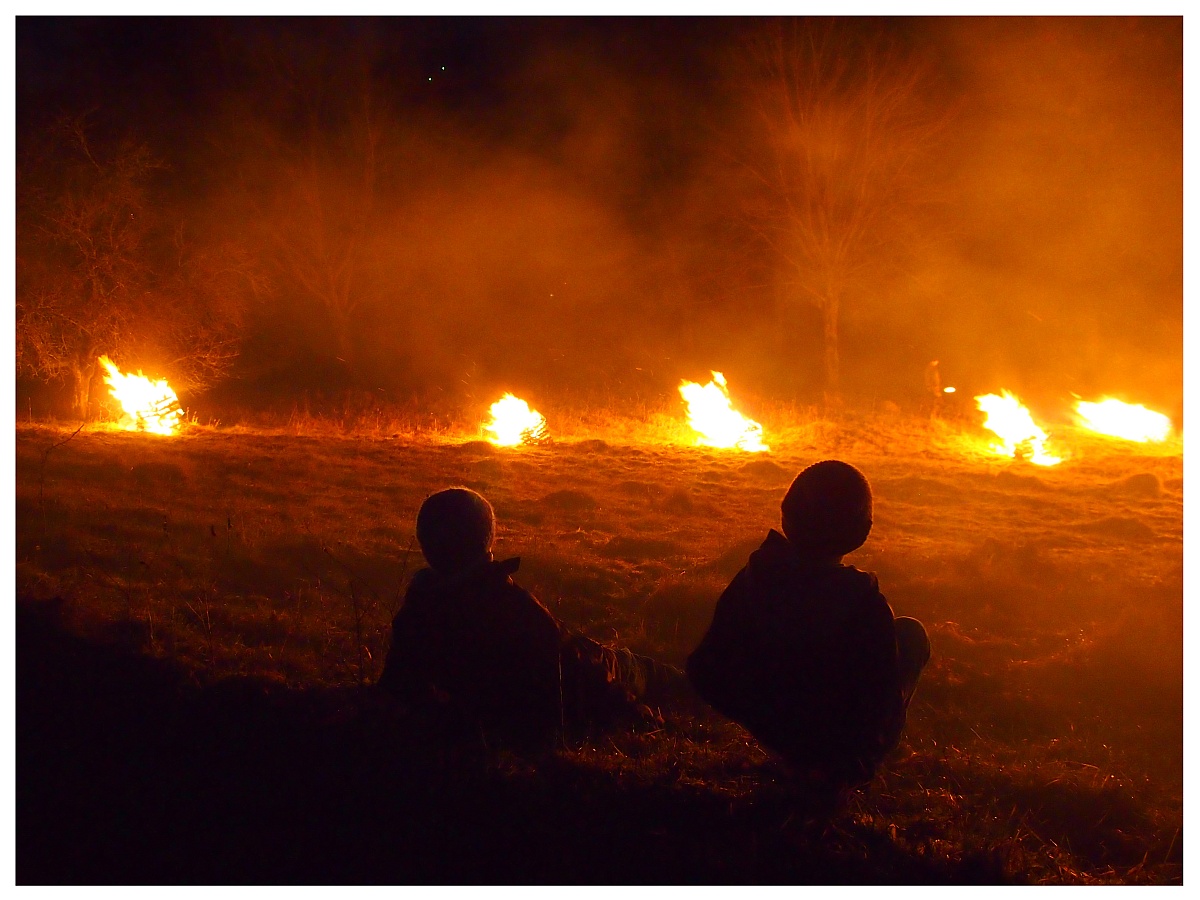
[843, 125]
[82, 220]
[308, 165]
[207, 289]
[98, 271]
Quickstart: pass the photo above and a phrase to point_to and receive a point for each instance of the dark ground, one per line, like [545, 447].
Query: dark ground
[129, 773]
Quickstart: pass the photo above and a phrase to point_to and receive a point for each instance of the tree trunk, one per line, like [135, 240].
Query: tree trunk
[81, 386]
[83, 376]
[345, 349]
[829, 321]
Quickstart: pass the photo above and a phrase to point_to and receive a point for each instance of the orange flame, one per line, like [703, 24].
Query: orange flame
[1130, 421]
[718, 424]
[513, 423]
[145, 405]
[1015, 427]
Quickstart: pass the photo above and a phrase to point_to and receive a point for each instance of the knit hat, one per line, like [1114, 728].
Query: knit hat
[827, 510]
[455, 528]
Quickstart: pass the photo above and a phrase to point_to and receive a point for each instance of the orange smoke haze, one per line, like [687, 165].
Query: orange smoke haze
[1061, 264]
[454, 209]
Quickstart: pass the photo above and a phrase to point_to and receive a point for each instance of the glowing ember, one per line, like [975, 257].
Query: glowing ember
[513, 423]
[146, 405]
[712, 415]
[1015, 426]
[948, 390]
[1130, 421]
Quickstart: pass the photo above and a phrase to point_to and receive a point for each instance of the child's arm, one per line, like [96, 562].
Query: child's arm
[404, 674]
[717, 664]
[875, 695]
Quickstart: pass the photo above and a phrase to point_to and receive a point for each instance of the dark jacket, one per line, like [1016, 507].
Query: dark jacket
[483, 648]
[803, 655]
[479, 644]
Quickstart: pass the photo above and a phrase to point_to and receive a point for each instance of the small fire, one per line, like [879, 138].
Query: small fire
[513, 423]
[146, 405]
[1130, 421]
[1010, 420]
[712, 415]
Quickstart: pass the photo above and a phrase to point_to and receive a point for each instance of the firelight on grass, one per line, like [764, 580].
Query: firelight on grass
[514, 423]
[717, 423]
[1130, 421]
[1020, 436]
[145, 405]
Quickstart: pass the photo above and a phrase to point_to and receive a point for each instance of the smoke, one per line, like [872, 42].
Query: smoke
[1060, 269]
[561, 204]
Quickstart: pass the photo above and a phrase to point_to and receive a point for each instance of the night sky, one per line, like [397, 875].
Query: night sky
[560, 202]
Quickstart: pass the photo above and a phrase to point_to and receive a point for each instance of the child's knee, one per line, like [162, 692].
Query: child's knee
[912, 643]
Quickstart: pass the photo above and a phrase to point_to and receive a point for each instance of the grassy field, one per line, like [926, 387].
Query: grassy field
[200, 619]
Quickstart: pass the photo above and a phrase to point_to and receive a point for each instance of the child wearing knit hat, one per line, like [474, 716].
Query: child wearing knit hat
[471, 645]
[803, 651]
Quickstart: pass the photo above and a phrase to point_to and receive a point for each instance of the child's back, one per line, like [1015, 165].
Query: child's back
[803, 656]
[479, 641]
[471, 643]
[802, 650]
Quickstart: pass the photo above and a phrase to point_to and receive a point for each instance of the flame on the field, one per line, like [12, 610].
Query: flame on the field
[513, 423]
[716, 422]
[1130, 421]
[1013, 424]
[145, 405]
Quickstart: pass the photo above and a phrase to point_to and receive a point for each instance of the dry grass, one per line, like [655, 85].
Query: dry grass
[1045, 743]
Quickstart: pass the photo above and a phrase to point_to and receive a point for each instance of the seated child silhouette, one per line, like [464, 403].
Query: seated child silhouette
[803, 651]
[470, 643]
